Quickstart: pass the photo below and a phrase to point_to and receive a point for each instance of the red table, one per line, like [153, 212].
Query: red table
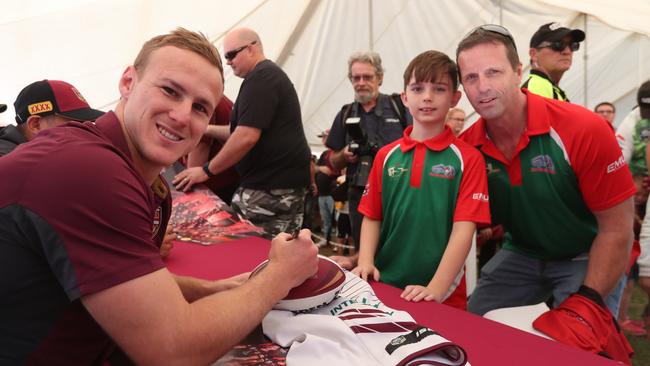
[486, 342]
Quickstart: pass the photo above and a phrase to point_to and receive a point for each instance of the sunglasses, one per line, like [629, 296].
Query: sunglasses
[494, 28]
[230, 55]
[559, 46]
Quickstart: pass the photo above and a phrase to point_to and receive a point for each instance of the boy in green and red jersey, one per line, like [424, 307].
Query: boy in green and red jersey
[425, 194]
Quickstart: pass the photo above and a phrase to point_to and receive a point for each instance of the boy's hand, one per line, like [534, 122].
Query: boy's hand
[416, 293]
[346, 262]
[366, 272]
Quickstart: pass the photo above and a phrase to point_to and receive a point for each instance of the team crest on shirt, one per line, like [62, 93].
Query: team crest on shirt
[542, 164]
[396, 171]
[156, 222]
[443, 171]
[491, 169]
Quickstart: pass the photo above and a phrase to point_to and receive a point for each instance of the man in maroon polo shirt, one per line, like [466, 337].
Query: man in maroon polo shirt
[79, 268]
[41, 105]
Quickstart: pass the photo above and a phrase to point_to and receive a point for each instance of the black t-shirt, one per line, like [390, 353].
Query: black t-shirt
[280, 159]
[324, 182]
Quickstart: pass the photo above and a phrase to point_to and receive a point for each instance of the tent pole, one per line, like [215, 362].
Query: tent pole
[585, 59]
[371, 44]
[501, 12]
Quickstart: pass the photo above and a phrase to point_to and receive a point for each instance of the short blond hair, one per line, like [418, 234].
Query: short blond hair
[184, 39]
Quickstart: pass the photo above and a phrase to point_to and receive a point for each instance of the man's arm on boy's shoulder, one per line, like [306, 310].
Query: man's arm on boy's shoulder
[151, 321]
[369, 242]
[453, 260]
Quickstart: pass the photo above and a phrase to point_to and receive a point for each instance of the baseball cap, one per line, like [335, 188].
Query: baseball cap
[47, 97]
[555, 32]
[643, 95]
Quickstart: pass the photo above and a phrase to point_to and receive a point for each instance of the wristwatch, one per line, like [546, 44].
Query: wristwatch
[207, 171]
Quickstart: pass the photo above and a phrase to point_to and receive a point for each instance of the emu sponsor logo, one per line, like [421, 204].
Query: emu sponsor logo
[480, 197]
[616, 165]
[443, 171]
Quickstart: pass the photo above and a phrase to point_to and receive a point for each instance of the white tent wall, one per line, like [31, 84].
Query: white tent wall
[89, 43]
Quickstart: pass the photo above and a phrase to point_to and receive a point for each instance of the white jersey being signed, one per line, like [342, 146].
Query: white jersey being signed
[358, 329]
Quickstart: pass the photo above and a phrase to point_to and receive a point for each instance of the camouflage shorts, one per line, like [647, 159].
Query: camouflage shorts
[275, 210]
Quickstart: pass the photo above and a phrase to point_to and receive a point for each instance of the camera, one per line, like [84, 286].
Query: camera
[363, 148]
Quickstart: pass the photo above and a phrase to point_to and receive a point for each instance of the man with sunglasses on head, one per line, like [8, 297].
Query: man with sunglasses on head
[551, 53]
[361, 128]
[265, 141]
[557, 182]
[42, 105]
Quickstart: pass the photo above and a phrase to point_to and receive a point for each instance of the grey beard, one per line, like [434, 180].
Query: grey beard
[362, 99]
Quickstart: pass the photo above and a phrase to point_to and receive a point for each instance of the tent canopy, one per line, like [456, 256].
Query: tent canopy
[89, 43]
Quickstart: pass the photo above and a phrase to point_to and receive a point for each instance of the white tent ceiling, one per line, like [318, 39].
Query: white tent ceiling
[89, 43]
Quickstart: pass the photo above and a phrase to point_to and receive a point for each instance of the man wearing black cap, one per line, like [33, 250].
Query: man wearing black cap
[42, 105]
[551, 53]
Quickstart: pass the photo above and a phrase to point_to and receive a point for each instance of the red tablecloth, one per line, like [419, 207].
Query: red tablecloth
[486, 342]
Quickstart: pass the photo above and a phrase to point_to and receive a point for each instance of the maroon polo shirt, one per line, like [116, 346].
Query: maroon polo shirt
[76, 218]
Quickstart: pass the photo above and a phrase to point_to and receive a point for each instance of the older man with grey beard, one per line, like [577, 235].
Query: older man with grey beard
[362, 127]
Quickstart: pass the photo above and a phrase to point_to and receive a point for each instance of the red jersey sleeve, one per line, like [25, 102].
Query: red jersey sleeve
[472, 204]
[603, 175]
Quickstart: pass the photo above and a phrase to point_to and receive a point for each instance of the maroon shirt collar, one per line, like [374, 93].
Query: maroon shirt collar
[110, 126]
[112, 129]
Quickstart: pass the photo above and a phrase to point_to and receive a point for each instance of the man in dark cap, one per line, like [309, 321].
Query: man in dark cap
[551, 53]
[42, 105]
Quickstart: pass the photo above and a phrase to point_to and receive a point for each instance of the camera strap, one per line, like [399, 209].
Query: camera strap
[394, 100]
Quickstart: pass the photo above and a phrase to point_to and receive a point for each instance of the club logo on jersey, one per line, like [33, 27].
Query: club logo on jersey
[156, 222]
[491, 169]
[396, 171]
[542, 164]
[618, 164]
[415, 336]
[443, 171]
[480, 197]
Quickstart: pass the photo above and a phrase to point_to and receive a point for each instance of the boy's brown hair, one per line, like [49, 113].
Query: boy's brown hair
[184, 39]
[429, 66]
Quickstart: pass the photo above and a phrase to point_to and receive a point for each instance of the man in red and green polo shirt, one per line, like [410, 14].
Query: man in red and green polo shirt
[557, 182]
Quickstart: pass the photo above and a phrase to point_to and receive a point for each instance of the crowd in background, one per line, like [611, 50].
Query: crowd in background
[562, 237]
